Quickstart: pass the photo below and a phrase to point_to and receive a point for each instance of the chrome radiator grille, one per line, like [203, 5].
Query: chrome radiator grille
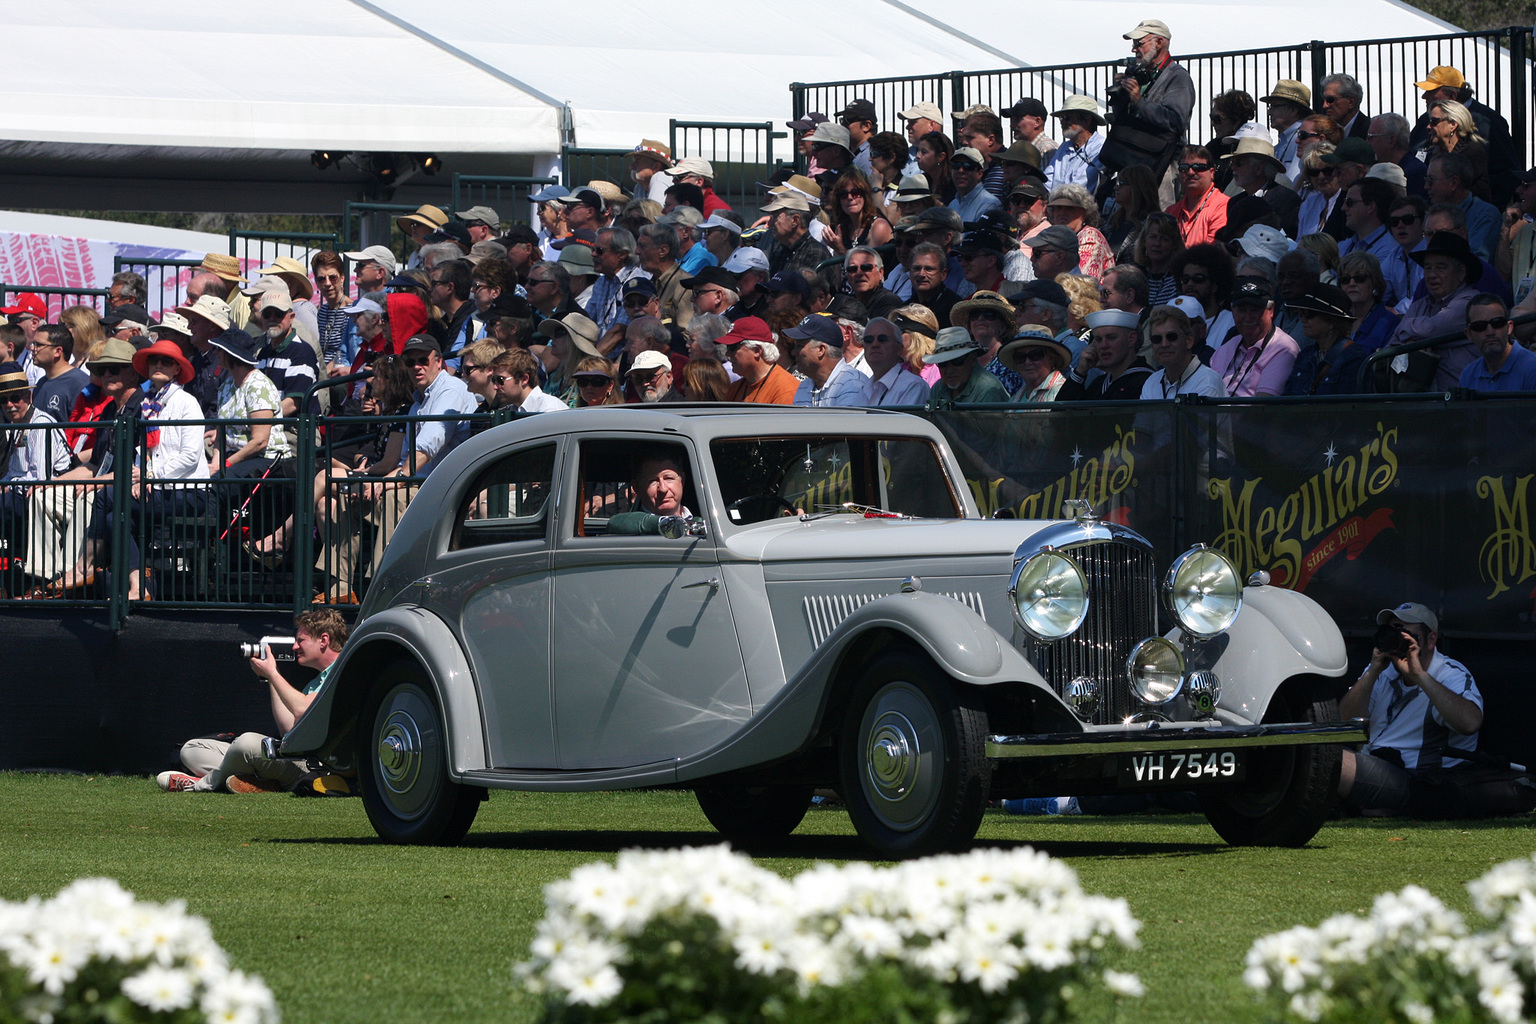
[1122, 612]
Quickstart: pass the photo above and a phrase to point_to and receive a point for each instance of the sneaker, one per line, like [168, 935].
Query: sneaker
[250, 784]
[175, 782]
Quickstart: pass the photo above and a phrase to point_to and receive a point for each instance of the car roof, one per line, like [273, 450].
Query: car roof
[704, 421]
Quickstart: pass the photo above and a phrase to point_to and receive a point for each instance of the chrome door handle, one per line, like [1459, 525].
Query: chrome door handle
[712, 584]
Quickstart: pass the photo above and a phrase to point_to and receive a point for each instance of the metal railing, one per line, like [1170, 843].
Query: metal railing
[365, 224]
[1365, 382]
[262, 247]
[506, 194]
[57, 299]
[580, 165]
[740, 153]
[165, 281]
[1495, 64]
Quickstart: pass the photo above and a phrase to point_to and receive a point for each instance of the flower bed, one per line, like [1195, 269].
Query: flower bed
[688, 934]
[94, 953]
[1411, 960]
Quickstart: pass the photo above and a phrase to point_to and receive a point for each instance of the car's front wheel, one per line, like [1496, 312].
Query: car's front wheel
[403, 764]
[748, 814]
[911, 756]
[1289, 791]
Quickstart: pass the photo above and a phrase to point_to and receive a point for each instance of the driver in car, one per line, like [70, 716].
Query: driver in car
[657, 484]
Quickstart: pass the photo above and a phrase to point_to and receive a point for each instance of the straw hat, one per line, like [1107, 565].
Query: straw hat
[427, 215]
[1034, 336]
[292, 271]
[1081, 105]
[225, 266]
[1258, 148]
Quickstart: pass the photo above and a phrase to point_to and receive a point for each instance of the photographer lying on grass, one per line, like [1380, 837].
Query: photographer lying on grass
[244, 765]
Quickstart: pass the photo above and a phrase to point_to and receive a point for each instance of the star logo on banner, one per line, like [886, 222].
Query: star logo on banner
[1077, 456]
[833, 462]
[1330, 454]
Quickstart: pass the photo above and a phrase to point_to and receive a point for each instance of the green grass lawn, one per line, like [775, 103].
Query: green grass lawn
[346, 929]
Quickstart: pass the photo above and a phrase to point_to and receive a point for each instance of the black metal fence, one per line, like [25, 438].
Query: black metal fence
[165, 281]
[1495, 63]
[262, 247]
[1360, 502]
[506, 194]
[741, 155]
[57, 299]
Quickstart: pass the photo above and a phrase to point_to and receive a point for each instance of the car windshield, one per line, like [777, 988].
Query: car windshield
[764, 478]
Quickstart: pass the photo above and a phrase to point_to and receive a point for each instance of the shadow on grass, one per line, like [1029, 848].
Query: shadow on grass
[804, 847]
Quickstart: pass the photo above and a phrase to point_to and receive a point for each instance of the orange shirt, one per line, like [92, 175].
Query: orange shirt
[1199, 225]
[778, 388]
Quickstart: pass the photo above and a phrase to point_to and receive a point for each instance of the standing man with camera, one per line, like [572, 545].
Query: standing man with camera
[247, 765]
[1422, 708]
[1151, 102]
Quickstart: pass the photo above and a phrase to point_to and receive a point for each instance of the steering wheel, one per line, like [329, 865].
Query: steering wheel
[768, 498]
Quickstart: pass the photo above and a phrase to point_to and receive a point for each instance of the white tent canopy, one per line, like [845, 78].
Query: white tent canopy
[154, 107]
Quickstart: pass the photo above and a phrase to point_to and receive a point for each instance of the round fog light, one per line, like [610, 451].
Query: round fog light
[1203, 689]
[1083, 697]
[1156, 669]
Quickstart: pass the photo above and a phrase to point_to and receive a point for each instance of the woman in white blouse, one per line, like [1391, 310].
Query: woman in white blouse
[168, 458]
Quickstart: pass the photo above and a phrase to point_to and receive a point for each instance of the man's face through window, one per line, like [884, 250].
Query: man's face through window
[659, 487]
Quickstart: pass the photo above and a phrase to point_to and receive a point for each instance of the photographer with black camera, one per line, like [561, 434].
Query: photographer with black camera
[1150, 104]
[1422, 708]
[249, 764]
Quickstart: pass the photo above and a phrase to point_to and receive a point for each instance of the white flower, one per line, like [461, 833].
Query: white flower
[237, 998]
[871, 937]
[1418, 1013]
[1499, 991]
[987, 969]
[160, 989]
[1122, 984]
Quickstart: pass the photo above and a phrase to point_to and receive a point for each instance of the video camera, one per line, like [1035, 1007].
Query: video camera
[282, 648]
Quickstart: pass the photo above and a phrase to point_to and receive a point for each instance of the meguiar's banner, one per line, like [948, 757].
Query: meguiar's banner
[1360, 505]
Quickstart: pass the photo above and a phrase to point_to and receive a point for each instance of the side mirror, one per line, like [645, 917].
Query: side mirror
[678, 527]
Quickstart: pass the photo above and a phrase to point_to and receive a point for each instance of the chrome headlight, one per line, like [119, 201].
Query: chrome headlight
[1050, 595]
[1156, 669]
[1203, 592]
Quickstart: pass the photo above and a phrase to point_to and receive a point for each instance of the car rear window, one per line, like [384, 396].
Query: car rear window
[762, 478]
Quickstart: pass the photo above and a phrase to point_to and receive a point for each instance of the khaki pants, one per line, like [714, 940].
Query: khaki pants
[56, 523]
[215, 761]
[345, 540]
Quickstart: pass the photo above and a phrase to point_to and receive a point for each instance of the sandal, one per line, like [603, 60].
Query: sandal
[265, 559]
[59, 588]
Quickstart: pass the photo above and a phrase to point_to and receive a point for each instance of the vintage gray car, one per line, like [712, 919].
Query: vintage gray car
[829, 610]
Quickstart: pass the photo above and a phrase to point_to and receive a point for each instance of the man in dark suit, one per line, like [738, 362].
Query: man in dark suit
[1341, 101]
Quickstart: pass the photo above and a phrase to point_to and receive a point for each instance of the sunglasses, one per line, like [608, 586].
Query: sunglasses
[1402, 221]
[1195, 168]
[875, 338]
[1194, 278]
[161, 360]
[1327, 100]
[498, 380]
[1032, 355]
[17, 399]
[1354, 279]
[636, 301]
[861, 268]
[598, 382]
[1158, 339]
[423, 361]
[117, 370]
[1309, 135]
[470, 368]
[965, 165]
[1436, 120]
[850, 193]
[1323, 172]
[986, 314]
[1498, 323]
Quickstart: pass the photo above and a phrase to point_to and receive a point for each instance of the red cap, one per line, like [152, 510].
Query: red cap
[27, 302]
[748, 328]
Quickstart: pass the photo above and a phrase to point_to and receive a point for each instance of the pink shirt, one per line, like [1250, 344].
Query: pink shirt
[1199, 224]
[1259, 369]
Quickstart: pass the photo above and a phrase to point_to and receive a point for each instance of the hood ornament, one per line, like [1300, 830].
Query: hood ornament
[1080, 509]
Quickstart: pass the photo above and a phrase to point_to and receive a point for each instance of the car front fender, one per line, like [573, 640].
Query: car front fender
[407, 632]
[1279, 634]
[960, 642]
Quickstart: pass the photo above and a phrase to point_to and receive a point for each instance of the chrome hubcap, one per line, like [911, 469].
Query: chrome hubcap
[407, 751]
[902, 750]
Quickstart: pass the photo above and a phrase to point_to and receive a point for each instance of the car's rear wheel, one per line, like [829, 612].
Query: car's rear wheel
[747, 814]
[1289, 791]
[403, 764]
[911, 757]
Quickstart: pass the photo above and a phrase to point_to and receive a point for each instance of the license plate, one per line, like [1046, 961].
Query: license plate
[1186, 768]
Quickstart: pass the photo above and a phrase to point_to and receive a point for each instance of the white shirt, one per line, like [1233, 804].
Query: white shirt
[30, 458]
[179, 455]
[1198, 379]
[538, 401]
[845, 386]
[1403, 719]
[898, 386]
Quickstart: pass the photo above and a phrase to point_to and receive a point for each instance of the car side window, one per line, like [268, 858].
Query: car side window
[508, 502]
[608, 469]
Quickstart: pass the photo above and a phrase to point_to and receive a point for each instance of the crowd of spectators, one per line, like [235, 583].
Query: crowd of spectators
[972, 261]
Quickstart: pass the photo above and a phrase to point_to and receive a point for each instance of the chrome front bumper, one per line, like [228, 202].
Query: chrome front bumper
[1176, 736]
